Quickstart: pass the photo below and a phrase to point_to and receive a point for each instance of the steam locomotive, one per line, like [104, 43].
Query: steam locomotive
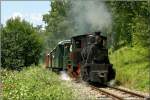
[69, 56]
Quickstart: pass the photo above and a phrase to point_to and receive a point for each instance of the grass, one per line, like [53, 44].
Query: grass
[132, 67]
[34, 83]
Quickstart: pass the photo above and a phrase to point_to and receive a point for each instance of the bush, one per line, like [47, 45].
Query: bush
[21, 45]
[34, 83]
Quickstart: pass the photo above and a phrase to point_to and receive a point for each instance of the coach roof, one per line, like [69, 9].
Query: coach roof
[64, 41]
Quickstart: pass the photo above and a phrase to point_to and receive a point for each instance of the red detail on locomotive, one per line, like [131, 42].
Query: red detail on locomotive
[47, 60]
[78, 69]
[71, 55]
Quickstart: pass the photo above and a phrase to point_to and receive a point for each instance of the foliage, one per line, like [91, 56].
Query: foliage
[130, 23]
[132, 67]
[131, 41]
[34, 83]
[21, 45]
[57, 22]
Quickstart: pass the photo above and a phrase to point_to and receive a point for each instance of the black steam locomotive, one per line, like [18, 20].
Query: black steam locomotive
[84, 56]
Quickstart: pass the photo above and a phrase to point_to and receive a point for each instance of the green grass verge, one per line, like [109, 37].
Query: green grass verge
[34, 83]
[132, 67]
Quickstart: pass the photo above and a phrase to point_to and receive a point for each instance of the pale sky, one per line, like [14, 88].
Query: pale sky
[31, 11]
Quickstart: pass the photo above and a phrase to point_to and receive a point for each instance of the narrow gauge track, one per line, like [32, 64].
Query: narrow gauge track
[119, 94]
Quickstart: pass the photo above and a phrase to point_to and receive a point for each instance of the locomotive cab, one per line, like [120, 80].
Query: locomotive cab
[78, 43]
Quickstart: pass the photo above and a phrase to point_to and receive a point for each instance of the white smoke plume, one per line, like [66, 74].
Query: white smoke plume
[90, 16]
[64, 76]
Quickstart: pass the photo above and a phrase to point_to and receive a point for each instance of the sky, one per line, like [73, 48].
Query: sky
[31, 11]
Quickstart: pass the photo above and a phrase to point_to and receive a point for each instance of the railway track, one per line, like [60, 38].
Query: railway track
[119, 94]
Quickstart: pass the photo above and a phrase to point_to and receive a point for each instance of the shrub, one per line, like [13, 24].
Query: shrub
[34, 84]
[21, 45]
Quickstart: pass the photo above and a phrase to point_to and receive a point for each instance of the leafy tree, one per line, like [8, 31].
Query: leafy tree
[58, 24]
[20, 44]
[130, 22]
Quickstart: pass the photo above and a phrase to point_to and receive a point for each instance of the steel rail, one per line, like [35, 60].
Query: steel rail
[107, 93]
[129, 92]
[116, 96]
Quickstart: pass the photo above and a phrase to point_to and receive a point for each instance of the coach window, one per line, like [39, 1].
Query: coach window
[70, 48]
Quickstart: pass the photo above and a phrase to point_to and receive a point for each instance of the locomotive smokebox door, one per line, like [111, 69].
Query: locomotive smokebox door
[98, 73]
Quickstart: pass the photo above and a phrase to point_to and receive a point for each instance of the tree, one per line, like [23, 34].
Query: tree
[58, 24]
[20, 44]
[130, 23]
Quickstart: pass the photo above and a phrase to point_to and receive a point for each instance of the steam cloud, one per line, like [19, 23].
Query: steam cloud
[64, 76]
[90, 16]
